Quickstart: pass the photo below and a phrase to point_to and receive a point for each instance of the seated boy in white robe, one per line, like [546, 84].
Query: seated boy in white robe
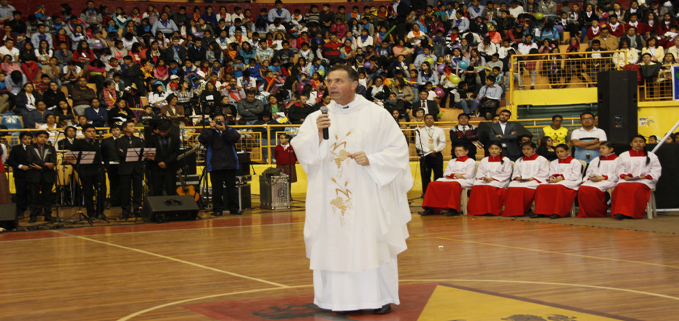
[445, 192]
[529, 172]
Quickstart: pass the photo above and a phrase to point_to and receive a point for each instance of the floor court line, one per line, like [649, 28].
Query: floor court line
[561, 253]
[130, 316]
[177, 260]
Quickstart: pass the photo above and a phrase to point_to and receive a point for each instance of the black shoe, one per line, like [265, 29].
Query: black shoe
[533, 215]
[49, 218]
[101, 217]
[123, 217]
[427, 212]
[618, 217]
[554, 216]
[451, 212]
[384, 310]
[33, 219]
[217, 213]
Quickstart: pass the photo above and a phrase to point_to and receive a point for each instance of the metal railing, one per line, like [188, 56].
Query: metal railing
[561, 70]
[657, 88]
[260, 140]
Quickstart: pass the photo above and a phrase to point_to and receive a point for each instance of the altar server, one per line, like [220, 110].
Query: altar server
[444, 193]
[555, 197]
[492, 176]
[529, 172]
[600, 177]
[639, 172]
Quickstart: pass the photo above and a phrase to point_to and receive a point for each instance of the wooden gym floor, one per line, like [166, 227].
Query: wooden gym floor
[253, 267]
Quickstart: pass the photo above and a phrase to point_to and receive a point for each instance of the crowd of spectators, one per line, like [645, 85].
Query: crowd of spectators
[269, 67]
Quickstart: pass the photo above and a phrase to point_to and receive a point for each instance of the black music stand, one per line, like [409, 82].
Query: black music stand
[141, 155]
[77, 158]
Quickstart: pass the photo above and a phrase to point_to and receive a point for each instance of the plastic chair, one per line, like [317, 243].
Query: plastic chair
[651, 208]
[12, 122]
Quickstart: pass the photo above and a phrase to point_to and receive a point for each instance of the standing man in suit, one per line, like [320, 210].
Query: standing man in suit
[18, 159]
[430, 144]
[222, 164]
[505, 133]
[42, 159]
[111, 162]
[131, 173]
[164, 167]
[92, 178]
[430, 107]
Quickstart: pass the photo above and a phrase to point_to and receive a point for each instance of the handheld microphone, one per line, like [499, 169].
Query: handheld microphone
[326, 135]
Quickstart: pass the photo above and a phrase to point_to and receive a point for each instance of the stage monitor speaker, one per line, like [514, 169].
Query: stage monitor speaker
[8, 216]
[617, 99]
[169, 208]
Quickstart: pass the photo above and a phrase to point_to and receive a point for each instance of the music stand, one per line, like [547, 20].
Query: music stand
[141, 155]
[76, 158]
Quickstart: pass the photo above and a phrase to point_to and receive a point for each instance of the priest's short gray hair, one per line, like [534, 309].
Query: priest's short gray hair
[351, 73]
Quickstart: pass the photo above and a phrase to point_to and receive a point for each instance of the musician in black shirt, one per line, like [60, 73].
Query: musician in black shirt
[131, 173]
[92, 178]
[164, 167]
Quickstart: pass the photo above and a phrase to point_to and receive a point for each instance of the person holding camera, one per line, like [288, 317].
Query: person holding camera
[222, 164]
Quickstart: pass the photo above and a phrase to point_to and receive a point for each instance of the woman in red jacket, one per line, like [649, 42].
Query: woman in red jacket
[83, 55]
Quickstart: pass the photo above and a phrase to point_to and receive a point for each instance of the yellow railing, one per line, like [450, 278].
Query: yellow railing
[659, 87]
[257, 138]
[560, 70]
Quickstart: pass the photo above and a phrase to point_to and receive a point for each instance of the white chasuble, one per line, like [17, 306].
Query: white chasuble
[356, 215]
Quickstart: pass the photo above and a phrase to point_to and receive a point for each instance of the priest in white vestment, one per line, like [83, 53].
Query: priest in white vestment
[356, 204]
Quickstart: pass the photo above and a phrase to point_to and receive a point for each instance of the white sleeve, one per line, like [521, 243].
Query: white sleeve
[505, 171]
[574, 171]
[480, 172]
[517, 169]
[655, 170]
[602, 135]
[590, 170]
[470, 169]
[441, 139]
[450, 169]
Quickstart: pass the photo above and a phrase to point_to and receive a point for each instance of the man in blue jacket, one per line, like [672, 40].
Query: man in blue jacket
[222, 164]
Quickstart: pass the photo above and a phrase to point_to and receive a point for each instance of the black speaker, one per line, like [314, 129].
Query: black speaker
[8, 216]
[169, 208]
[617, 99]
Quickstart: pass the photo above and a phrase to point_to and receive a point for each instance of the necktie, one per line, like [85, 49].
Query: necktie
[431, 141]
[279, 12]
[91, 143]
[164, 141]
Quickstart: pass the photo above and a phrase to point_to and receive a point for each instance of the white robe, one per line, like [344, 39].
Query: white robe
[605, 168]
[537, 169]
[499, 171]
[356, 215]
[636, 165]
[571, 173]
[468, 168]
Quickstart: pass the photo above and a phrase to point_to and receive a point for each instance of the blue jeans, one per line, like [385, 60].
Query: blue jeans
[465, 105]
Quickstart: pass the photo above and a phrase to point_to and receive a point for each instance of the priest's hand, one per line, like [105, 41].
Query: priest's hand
[361, 158]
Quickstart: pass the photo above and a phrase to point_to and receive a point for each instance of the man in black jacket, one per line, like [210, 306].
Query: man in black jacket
[164, 167]
[464, 133]
[67, 143]
[92, 176]
[18, 159]
[131, 173]
[133, 74]
[429, 106]
[222, 164]
[42, 159]
[111, 163]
